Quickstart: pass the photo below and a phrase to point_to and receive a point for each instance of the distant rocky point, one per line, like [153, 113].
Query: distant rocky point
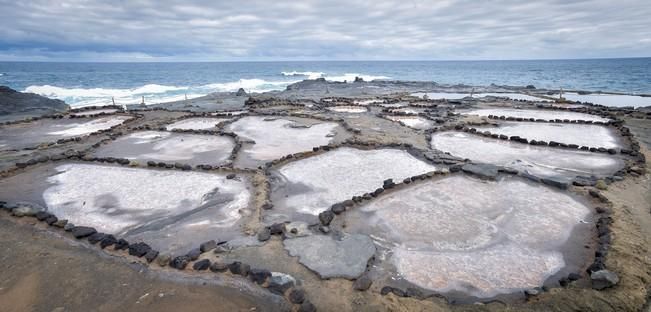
[15, 105]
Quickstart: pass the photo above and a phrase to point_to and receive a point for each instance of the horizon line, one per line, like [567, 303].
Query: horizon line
[317, 60]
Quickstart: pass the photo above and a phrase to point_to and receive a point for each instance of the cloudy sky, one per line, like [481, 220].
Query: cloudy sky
[214, 30]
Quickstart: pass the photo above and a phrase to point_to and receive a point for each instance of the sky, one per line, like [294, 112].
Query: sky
[214, 30]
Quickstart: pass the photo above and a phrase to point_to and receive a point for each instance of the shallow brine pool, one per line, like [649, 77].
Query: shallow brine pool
[480, 238]
[540, 161]
[311, 185]
[415, 122]
[274, 138]
[198, 123]
[533, 113]
[22, 135]
[579, 134]
[173, 211]
[193, 149]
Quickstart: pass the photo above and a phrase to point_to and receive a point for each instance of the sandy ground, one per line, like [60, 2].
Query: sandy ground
[41, 272]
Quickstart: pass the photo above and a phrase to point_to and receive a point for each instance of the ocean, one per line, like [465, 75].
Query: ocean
[83, 84]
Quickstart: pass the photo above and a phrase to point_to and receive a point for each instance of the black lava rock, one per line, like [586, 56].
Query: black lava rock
[230, 176]
[139, 249]
[207, 246]
[264, 234]
[151, 255]
[194, 254]
[307, 307]
[96, 238]
[259, 276]
[121, 244]
[277, 228]
[201, 265]
[338, 208]
[107, 240]
[179, 262]
[239, 268]
[42, 215]
[296, 296]
[51, 220]
[218, 267]
[80, 232]
[362, 283]
[326, 217]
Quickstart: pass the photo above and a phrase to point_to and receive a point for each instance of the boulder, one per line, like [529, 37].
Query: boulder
[296, 296]
[201, 265]
[208, 246]
[279, 283]
[80, 232]
[259, 276]
[107, 240]
[239, 268]
[96, 238]
[603, 279]
[218, 267]
[179, 262]
[121, 244]
[194, 254]
[326, 217]
[151, 255]
[264, 234]
[330, 258]
[139, 249]
[362, 283]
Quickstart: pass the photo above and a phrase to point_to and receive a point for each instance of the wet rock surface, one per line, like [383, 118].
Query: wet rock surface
[329, 257]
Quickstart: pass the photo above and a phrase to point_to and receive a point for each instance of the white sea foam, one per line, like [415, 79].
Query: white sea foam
[349, 77]
[155, 93]
[310, 75]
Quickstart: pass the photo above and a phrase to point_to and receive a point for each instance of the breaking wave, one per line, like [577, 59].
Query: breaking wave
[309, 75]
[155, 93]
[152, 93]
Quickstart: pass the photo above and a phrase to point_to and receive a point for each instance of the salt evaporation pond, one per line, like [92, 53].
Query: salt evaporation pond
[615, 100]
[311, 185]
[458, 96]
[415, 122]
[274, 138]
[541, 161]
[22, 135]
[193, 149]
[197, 123]
[348, 109]
[580, 134]
[533, 113]
[173, 211]
[479, 238]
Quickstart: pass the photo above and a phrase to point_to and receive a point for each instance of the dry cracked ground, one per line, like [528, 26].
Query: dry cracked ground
[364, 196]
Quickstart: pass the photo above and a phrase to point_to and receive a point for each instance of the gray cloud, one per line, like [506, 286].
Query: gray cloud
[336, 29]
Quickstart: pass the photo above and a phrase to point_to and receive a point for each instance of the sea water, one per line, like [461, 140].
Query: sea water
[83, 84]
